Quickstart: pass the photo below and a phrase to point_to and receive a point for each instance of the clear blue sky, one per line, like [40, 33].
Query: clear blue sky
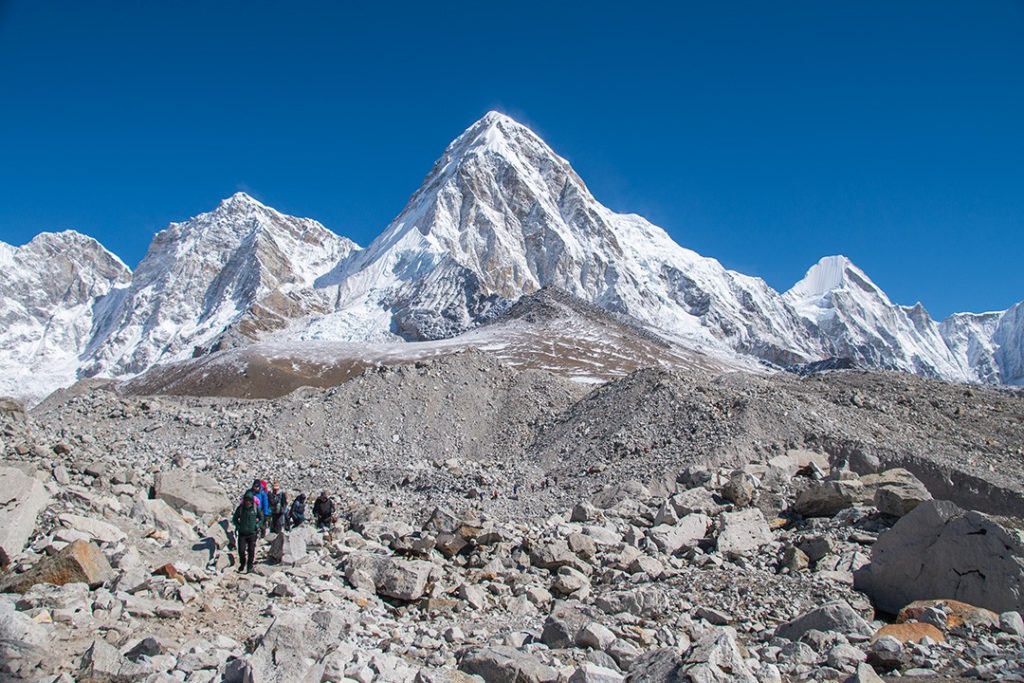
[763, 134]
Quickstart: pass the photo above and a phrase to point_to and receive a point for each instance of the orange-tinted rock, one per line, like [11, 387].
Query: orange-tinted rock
[909, 633]
[170, 571]
[957, 613]
[79, 562]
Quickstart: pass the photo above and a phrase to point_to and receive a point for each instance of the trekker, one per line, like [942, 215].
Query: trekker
[248, 519]
[257, 491]
[278, 502]
[323, 510]
[297, 513]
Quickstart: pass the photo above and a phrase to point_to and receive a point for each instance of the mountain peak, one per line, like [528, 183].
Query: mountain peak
[240, 200]
[833, 273]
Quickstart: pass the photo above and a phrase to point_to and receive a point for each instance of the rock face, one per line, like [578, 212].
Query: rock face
[399, 579]
[506, 665]
[187, 490]
[52, 291]
[941, 551]
[22, 498]
[79, 562]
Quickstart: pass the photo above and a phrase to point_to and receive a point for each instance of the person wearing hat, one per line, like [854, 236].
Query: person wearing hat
[248, 519]
[258, 492]
[277, 500]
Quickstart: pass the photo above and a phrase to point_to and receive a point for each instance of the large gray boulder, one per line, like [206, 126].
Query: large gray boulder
[897, 491]
[162, 516]
[743, 532]
[20, 636]
[390, 577]
[716, 657]
[289, 547]
[941, 551]
[671, 538]
[295, 646]
[826, 498]
[835, 616]
[503, 664]
[22, 498]
[192, 491]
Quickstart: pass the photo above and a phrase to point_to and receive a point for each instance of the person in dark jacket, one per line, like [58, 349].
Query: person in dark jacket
[297, 513]
[323, 510]
[248, 519]
[260, 494]
[278, 502]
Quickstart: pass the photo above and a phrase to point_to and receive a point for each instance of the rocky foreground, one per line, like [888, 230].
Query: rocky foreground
[509, 525]
[117, 574]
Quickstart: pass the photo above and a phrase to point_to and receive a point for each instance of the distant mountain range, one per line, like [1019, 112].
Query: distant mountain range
[498, 217]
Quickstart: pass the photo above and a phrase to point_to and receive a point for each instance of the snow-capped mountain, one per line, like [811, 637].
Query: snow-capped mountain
[501, 215]
[991, 344]
[498, 217]
[224, 276]
[854, 319]
[51, 291]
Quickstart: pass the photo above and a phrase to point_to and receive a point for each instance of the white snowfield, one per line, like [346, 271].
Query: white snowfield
[500, 215]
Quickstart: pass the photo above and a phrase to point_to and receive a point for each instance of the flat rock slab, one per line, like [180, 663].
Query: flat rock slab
[192, 491]
[22, 498]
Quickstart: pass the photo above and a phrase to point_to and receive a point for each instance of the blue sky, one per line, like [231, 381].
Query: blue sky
[763, 134]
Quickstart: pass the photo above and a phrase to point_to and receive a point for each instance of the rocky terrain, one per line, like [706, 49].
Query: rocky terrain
[505, 523]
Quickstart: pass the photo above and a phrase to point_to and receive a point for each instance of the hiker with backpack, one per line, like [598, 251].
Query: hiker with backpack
[297, 512]
[277, 501]
[248, 520]
[323, 511]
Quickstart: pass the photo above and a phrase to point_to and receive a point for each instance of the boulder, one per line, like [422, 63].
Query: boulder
[162, 516]
[20, 636]
[289, 547]
[835, 616]
[562, 625]
[192, 491]
[503, 664]
[552, 554]
[22, 498]
[390, 577]
[295, 645]
[588, 672]
[897, 491]
[941, 551]
[693, 500]
[595, 636]
[78, 562]
[740, 488]
[657, 666]
[742, 532]
[954, 614]
[685, 534]
[864, 674]
[103, 662]
[104, 532]
[909, 633]
[717, 657]
[826, 498]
